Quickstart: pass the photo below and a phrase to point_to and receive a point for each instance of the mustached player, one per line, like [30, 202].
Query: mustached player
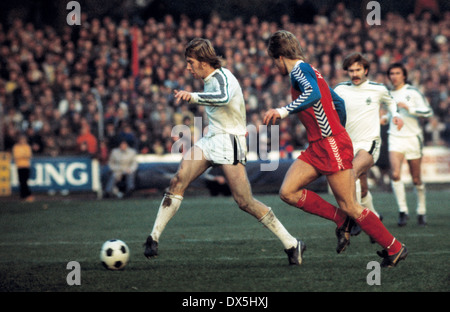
[363, 100]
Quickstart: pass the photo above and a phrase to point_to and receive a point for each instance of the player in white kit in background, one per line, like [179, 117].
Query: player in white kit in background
[363, 99]
[408, 143]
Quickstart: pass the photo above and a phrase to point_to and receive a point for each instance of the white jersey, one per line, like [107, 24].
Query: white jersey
[362, 104]
[224, 101]
[418, 106]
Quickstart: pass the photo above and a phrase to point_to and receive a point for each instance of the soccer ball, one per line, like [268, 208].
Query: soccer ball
[114, 254]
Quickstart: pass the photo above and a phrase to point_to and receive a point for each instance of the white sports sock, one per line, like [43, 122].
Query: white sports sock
[167, 209]
[399, 191]
[368, 203]
[358, 190]
[271, 222]
[421, 199]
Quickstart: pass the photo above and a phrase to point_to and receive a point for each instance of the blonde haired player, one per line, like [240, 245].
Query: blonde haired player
[224, 145]
[408, 143]
[329, 153]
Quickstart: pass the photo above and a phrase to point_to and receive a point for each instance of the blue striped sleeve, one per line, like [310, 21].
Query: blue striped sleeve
[304, 79]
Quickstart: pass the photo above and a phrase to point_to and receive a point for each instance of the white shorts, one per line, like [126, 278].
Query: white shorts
[372, 147]
[224, 148]
[411, 147]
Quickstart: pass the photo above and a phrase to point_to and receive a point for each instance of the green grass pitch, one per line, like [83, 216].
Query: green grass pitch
[212, 246]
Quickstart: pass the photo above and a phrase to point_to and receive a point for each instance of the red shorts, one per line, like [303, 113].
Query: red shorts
[330, 155]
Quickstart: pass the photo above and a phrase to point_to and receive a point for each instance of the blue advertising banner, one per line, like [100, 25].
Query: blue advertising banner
[61, 173]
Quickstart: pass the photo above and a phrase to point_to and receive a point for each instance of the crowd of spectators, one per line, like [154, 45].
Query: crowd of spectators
[50, 79]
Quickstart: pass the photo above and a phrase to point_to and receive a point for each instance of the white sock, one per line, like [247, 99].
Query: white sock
[421, 199]
[273, 224]
[368, 203]
[399, 190]
[358, 190]
[167, 209]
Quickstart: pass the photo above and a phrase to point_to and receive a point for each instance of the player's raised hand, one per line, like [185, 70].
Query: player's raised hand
[271, 115]
[182, 95]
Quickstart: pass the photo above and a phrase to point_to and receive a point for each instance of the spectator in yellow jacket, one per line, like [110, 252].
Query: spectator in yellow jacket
[22, 155]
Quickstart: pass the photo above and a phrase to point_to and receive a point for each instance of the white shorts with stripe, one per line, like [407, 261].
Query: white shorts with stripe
[372, 147]
[411, 146]
[224, 148]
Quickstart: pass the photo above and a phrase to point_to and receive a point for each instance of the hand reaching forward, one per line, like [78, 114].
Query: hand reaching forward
[182, 95]
[271, 115]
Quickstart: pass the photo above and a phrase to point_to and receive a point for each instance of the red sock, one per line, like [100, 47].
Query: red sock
[373, 227]
[313, 203]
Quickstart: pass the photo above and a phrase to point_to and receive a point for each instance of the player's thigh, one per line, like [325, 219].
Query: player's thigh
[362, 163]
[191, 167]
[238, 183]
[299, 175]
[415, 166]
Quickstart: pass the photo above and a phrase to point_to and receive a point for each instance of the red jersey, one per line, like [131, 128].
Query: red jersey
[314, 102]
[330, 149]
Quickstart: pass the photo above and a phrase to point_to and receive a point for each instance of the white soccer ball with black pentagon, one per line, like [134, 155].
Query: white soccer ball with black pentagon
[114, 254]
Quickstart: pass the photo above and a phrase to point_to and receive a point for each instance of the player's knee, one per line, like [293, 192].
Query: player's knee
[395, 175]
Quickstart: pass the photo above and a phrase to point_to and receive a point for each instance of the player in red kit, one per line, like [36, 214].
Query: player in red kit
[330, 151]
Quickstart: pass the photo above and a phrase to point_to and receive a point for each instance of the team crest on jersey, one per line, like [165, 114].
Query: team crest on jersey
[408, 98]
[369, 100]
